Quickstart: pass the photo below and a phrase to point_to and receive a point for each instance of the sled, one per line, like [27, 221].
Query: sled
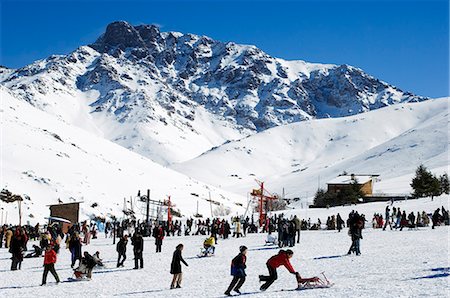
[314, 283]
[205, 253]
[74, 279]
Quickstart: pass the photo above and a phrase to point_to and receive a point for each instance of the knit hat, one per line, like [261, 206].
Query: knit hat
[242, 248]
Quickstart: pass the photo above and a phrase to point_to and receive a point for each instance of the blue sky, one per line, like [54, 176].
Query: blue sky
[405, 43]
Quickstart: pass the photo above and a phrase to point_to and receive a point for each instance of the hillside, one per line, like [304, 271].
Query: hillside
[48, 159]
[390, 142]
[171, 96]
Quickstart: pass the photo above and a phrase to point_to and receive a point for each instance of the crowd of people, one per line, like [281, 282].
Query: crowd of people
[399, 219]
[281, 230]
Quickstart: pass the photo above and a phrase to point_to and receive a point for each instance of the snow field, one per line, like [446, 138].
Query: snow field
[411, 263]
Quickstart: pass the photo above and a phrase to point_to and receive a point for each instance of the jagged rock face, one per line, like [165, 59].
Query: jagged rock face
[242, 82]
[144, 75]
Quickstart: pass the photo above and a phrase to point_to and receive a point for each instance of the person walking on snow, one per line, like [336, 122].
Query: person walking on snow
[122, 250]
[238, 271]
[339, 222]
[158, 233]
[175, 267]
[281, 259]
[387, 219]
[138, 247]
[49, 264]
[75, 248]
[297, 227]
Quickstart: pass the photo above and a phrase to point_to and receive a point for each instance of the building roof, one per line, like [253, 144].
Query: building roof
[347, 179]
[62, 204]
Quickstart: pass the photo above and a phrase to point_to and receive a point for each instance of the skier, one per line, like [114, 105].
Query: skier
[158, 233]
[138, 247]
[175, 267]
[121, 249]
[49, 264]
[282, 258]
[238, 267]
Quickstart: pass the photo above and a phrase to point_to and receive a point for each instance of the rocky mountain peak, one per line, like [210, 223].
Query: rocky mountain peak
[120, 35]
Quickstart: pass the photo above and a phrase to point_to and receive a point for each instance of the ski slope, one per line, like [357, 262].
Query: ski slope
[411, 263]
[299, 157]
[48, 159]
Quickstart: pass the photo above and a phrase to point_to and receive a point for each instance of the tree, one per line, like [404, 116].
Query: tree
[425, 184]
[350, 194]
[444, 183]
[320, 198]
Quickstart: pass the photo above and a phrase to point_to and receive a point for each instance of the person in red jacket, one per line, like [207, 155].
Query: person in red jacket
[49, 264]
[281, 259]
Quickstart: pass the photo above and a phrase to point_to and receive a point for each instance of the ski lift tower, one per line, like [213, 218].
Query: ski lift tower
[152, 209]
[263, 197]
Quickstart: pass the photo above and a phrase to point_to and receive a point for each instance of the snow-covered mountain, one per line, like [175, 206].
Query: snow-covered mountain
[48, 159]
[171, 96]
[390, 142]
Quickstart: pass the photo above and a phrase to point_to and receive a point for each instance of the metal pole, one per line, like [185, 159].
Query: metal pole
[114, 231]
[148, 207]
[210, 205]
[20, 213]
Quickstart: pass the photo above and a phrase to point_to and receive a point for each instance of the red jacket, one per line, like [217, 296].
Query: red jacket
[281, 259]
[49, 257]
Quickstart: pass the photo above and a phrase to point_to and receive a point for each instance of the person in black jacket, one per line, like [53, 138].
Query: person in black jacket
[138, 247]
[238, 271]
[122, 250]
[16, 249]
[75, 248]
[158, 233]
[175, 267]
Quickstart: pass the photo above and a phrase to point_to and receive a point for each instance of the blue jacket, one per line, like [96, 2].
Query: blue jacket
[238, 266]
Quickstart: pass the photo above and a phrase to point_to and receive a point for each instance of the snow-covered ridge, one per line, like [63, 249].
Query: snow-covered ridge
[171, 96]
[390, 142]
[48, 159]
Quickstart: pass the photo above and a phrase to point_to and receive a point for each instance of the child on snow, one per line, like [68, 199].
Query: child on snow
[49, 264]
[281, 259]
[175, 267]
[238, 271]
[86, 266]
[208, 246]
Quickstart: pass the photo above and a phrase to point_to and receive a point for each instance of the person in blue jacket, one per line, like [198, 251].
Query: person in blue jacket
[238, 271]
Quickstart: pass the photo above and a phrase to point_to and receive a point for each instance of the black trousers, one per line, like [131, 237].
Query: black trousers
[119, 262]
[269, 279]
[158, 245]
[236, 283]
[138, 259]
[298, 236]
[51, 268]
[16, 263]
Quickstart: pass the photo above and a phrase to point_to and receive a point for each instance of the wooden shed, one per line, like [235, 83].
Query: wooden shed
[343, 181]
[68, 211]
